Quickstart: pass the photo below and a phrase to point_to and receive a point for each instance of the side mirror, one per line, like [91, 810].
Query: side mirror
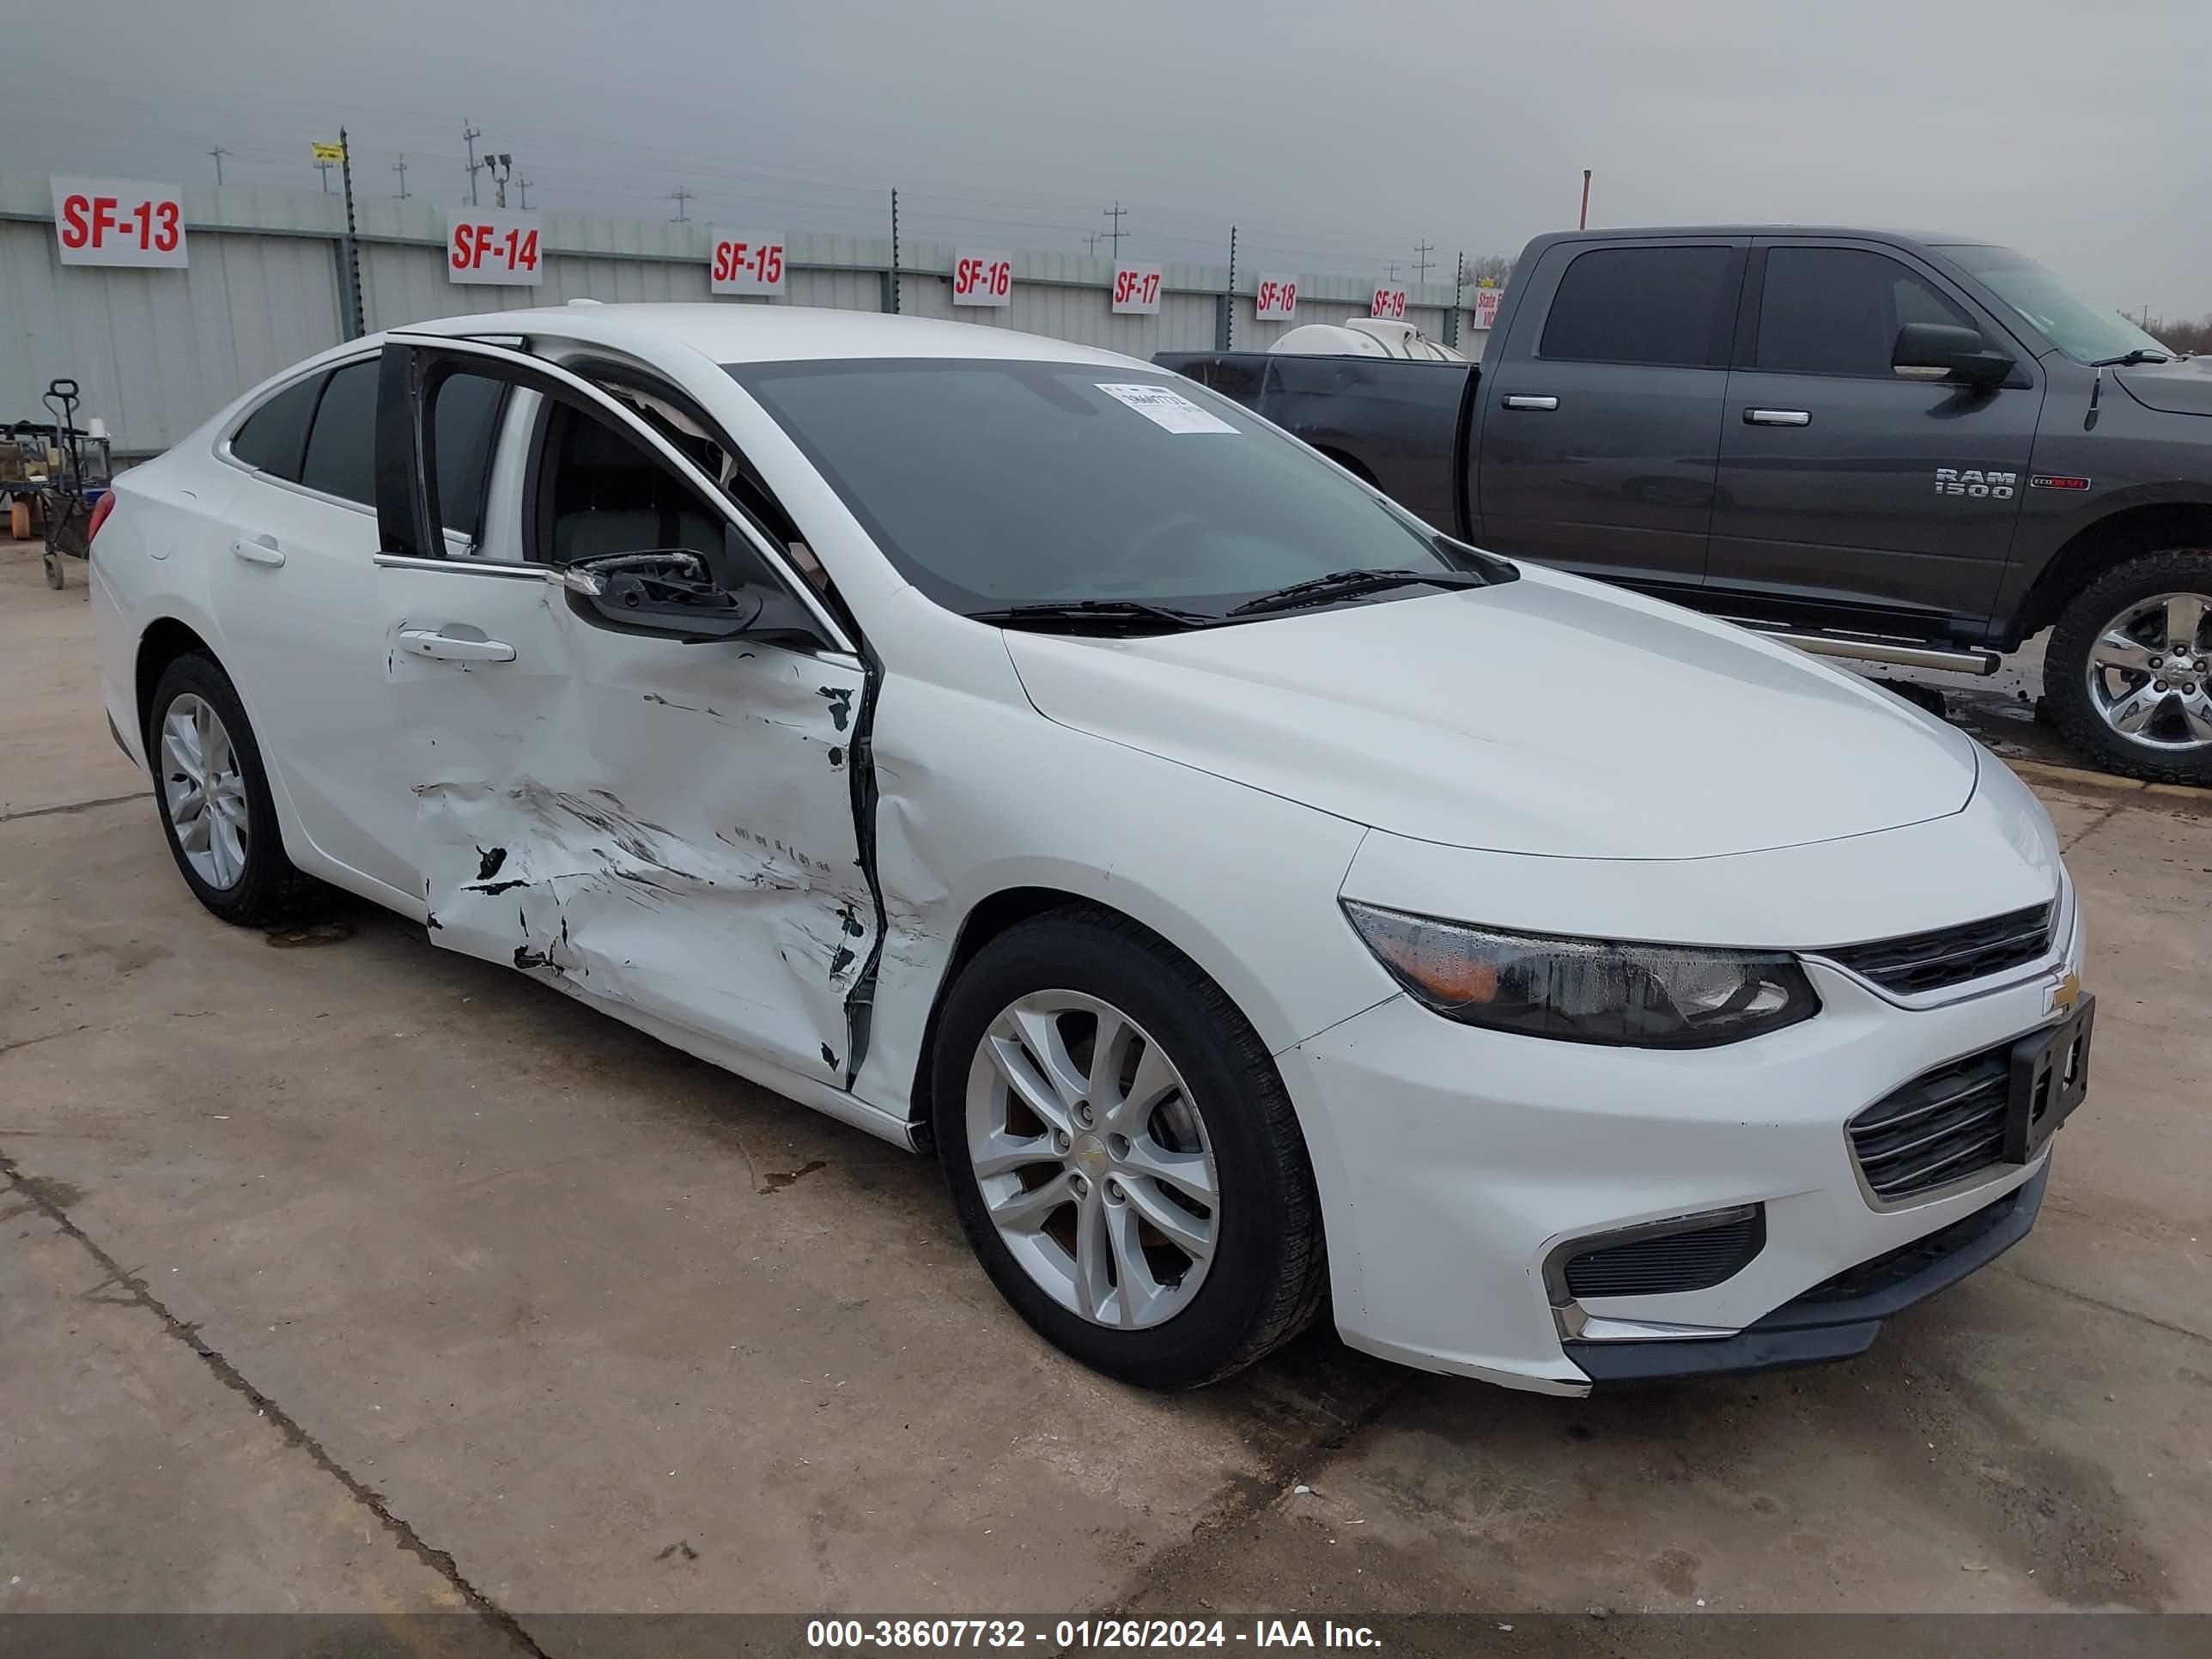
[669, 592]
[1944, 351]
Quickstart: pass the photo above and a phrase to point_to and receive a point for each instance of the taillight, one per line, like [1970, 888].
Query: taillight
[101, 509]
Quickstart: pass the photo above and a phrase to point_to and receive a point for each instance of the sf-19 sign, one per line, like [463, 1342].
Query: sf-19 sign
[746, 262]
[492, 244]
[1389, 302]
[1136, 290]
[118, 222]
[1275, 300]
[982, 277]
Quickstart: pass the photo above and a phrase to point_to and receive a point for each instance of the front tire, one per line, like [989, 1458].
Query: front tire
[2129, 671]
[1122, 1155]
[212, 791]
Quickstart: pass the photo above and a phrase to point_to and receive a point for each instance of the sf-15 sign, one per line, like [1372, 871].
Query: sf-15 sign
[982, 277]
[746, 262]
[1137, 290]
[118, 222]
[1275, 300]
[492, 244]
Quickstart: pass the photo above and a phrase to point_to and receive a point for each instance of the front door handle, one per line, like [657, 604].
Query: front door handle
[424, 642]
[261, 550]
[1777, 418]
[1522, 402]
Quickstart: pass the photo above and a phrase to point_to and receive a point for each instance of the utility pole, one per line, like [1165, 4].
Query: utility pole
[500, 166]
[1392, 276]
[1115, 214]
[324, 167]
[1421, 252]
[522, 186]
[1583, 222]
[219, 152]
[1459, 294]
[468, 137]
[355, 319]
[1228, 329]
[895, 254]
[679, 196]
[399, 166]
[1091, 239]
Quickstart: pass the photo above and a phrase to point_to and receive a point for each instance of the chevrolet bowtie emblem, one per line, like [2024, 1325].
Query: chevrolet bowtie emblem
[2066, 994]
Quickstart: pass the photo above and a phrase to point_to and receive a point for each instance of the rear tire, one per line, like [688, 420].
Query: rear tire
[2118, 689]
[212, 791]
[1223, 1258]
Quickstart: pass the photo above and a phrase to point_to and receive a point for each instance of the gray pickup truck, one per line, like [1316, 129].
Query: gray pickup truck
[1917, 449]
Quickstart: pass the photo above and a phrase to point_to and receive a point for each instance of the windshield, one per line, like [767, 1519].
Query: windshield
[2087, 333]
[992, 484]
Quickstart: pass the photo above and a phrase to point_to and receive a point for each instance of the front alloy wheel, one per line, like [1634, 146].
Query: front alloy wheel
[1093, 1163]
[2129, 670]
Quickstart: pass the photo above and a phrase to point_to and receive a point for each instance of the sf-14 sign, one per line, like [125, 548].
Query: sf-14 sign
[118, 222]
[493, 245]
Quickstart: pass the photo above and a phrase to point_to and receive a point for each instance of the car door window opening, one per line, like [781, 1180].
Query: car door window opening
[1837, 311]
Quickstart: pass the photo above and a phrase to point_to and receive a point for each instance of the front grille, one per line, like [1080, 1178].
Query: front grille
[1944, 1125]
[1894, 1267]
[1694, 1259]
[1951, 955]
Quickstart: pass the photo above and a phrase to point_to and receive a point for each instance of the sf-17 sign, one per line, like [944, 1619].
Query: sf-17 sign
[982, 277]
[1137, 290]
[1275, 299]
[118, 222]
[746, 262]
[493, 245]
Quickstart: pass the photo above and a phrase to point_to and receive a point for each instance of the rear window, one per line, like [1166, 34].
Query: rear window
[341, 458]
[1665, 306]
[275, 435]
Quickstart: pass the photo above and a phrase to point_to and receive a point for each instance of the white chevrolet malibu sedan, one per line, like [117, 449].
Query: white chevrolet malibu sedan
[1260, 901]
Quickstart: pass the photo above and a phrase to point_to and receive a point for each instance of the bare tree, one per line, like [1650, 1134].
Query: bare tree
[1493, 268]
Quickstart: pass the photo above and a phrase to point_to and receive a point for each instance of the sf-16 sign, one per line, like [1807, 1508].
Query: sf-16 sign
[746, 262]
[118, 222]
[1137, 290]
[982, 277]
[493, 245]
[1275, 300]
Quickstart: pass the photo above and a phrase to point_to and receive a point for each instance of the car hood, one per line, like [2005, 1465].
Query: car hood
[2184, 387]
[1549, 715]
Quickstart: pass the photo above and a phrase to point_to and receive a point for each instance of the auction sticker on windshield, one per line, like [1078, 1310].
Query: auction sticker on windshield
[1166, 408]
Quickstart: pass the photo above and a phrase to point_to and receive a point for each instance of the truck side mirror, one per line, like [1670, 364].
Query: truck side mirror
[1945, 351]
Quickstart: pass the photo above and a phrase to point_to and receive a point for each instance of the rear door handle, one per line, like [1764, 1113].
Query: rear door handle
[261, 550]
[1531, 402]
[424, 642]
[1777, 418]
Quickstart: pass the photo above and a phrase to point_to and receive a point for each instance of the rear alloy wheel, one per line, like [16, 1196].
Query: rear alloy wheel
[1122, 1152]
[214, 797]
[2128, 673]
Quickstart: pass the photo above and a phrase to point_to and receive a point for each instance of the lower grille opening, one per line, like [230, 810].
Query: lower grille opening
[1945, 1125]
[1696, 1257]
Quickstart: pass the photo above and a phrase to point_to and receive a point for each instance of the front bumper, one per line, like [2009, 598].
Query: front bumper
[1461, 1160]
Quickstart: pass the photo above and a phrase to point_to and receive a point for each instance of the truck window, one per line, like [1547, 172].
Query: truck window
[1837, 311]
[1643, 305]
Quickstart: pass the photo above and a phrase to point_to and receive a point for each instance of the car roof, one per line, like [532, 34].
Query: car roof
[733, 333]
[1864, 233]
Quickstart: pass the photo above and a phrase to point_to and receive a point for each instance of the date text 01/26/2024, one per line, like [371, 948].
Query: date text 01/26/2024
[936, 1635]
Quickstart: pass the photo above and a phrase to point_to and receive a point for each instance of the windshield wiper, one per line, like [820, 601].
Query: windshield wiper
[1106, 612]
[2130, 359]
[1343, 583]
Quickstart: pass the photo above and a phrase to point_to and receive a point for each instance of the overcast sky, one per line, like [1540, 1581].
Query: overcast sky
[1336, 136]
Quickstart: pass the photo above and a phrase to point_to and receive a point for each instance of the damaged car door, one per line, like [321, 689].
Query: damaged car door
[633, 745]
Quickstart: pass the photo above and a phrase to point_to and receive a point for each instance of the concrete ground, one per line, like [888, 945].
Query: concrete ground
[340, 1273]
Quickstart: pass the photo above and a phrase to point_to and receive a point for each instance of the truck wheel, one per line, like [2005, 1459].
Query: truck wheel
[2129, 671]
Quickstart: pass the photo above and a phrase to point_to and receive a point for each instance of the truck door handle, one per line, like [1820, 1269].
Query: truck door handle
[261, 550]
[1777, 418]
[447, 648]
[1531, 402]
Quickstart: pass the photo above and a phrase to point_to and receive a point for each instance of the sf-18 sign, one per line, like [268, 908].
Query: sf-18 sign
[746, 262]
[1276, 299]
[1389, 302]
[119, 222]
[1137, 290]
[982, 277]
[1485, 306]
[492, 244]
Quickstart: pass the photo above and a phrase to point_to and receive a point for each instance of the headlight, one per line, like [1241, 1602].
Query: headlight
[1588, 990]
